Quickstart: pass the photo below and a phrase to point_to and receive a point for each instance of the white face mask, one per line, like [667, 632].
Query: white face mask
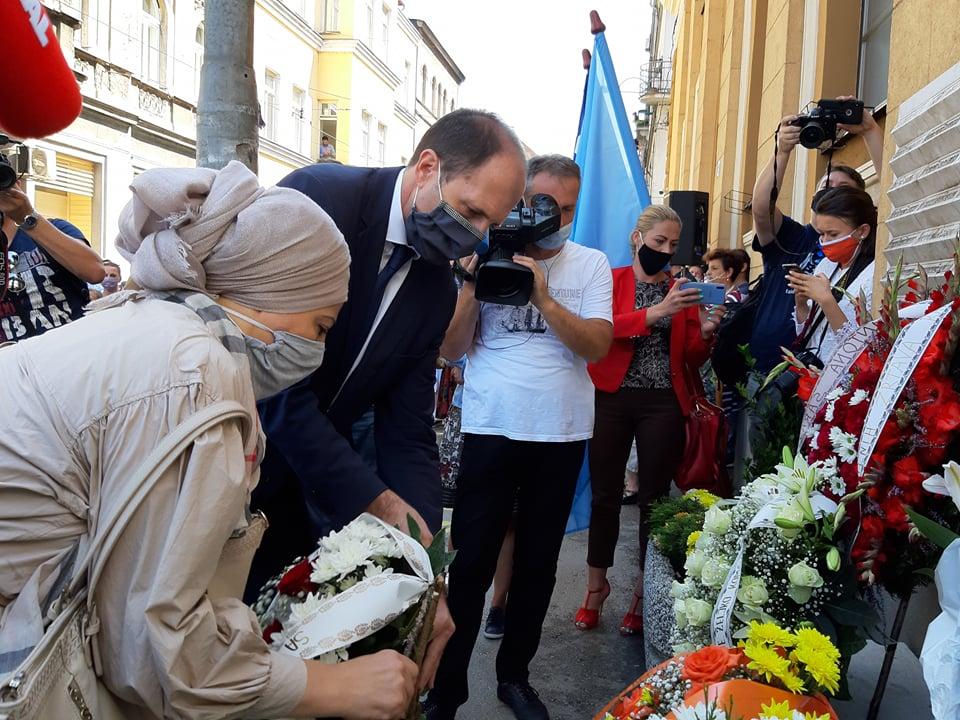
[555, 240]
[286, 361]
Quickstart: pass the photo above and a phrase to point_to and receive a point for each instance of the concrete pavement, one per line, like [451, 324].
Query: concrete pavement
[575, 672]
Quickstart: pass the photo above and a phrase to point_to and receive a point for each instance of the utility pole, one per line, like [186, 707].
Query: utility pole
[228, 114]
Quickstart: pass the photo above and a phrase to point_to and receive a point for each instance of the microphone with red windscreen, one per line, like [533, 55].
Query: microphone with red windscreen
[40, 94]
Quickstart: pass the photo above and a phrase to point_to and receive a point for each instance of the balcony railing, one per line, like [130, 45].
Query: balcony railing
[656, 77]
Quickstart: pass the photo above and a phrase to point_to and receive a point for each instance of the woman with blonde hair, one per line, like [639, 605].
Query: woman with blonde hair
[236, 288]
[644, 389]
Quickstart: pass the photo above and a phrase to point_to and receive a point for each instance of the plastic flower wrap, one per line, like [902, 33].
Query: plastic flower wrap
[367, 587]
[773, 673]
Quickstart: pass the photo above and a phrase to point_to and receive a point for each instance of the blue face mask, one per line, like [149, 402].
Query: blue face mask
[442, 234]
[286, 361]
[555, 240]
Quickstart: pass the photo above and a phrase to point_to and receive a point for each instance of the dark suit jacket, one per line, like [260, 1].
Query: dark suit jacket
[310, 461]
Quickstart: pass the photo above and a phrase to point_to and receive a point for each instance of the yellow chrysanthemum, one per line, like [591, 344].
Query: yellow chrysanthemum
[646, 697]
[817, 643]
[792, 683]
[824, 670]
[814, 716]
[692, 540]
[766, 662]
[706, 499]
[781, 710]
[770, 634]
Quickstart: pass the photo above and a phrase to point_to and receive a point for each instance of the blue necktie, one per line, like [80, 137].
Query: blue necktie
[400, 255]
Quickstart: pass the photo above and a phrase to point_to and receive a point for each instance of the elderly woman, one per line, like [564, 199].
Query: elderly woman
[236, 288]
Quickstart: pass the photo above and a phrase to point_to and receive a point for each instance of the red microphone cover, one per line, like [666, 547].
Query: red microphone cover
[40, 94]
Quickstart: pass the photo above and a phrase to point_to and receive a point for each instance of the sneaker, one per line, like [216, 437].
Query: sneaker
[523, 700]
[493, 629]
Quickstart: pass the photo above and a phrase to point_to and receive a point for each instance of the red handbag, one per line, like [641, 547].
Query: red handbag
[704, 454]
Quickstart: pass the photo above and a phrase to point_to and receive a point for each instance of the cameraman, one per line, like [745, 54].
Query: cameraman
[781, 239]
[54, 262]
[527, 414]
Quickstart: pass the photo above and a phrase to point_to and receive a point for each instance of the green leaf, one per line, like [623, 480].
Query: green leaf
[413, 529]
[775, 373]
[925, 572]
[851, 612]
[934, 532]
[787, 457]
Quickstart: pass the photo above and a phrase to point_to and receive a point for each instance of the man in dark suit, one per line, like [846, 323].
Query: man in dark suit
[403, 226]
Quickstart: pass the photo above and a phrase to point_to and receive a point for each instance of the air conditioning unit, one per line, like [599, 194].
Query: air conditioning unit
[43, 164]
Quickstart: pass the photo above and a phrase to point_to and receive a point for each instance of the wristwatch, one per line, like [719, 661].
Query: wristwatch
[29, 222]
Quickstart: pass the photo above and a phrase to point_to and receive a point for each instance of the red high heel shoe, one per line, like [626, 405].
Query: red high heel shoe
[587, 618]
[632, 623]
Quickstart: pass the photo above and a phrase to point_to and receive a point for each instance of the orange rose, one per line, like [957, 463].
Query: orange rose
[710, 664]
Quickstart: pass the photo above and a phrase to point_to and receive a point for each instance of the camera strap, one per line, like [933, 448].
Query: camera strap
[774, 194]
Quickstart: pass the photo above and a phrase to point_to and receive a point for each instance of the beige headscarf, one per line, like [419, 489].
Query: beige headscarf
[220, 233]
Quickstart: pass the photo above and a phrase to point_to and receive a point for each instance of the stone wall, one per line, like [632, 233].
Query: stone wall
[924, 217]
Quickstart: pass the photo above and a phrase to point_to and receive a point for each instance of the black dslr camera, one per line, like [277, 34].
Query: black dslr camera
[499, 280]
[820, 124]
[10, 170]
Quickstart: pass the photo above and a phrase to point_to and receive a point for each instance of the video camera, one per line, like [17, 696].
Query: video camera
[820, 124]
[498, 279]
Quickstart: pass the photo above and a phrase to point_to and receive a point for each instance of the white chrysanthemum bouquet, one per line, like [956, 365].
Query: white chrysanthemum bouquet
[366, 588]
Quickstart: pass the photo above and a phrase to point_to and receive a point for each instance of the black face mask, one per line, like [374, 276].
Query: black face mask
[442, 234]
[652, 261]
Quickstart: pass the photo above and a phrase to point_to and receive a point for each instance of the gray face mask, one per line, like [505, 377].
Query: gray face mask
[555, 240]
[286, 361]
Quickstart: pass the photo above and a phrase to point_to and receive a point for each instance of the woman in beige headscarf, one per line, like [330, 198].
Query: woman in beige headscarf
[236, 288]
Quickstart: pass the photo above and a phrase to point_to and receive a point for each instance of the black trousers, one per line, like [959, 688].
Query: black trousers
[495, 470]
[653, 418]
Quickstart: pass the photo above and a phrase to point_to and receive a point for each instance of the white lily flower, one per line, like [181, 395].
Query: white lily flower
[946, 484]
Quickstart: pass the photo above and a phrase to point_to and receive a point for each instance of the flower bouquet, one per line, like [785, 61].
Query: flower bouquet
[773, 673]
[885, 456]
[366, 588]
[676, 522]
[771, 555]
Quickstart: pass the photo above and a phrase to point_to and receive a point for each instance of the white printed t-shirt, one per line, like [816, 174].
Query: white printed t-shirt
[521, 381]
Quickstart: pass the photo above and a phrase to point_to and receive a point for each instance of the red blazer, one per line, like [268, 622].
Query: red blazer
[688, 349]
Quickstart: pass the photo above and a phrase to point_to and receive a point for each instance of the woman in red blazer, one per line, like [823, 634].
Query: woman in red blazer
[644, 389]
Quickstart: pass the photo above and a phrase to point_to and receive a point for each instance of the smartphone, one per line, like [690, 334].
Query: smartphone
[792, 267]
[712, 293]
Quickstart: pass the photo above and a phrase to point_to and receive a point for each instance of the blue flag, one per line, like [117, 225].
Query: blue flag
[613, 193]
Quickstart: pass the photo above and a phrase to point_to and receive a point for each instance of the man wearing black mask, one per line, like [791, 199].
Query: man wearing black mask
[403, 227]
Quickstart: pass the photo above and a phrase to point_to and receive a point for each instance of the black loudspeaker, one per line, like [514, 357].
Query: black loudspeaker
[693, 208]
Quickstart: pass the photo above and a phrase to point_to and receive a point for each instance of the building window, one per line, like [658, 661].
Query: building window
[299, 119]
[382, 144]
[876, 17]
[443, 105]
[407, 79]
[433, 96]
[94, 24]
[385, 31]
[330, 16]
[370, 26]
[365, 137]
[423, 85]
[197, 58]
[271, 84]
[328, 124]
[151, 39]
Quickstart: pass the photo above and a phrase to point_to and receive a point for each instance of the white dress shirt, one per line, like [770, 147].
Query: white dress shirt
[396, 235]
